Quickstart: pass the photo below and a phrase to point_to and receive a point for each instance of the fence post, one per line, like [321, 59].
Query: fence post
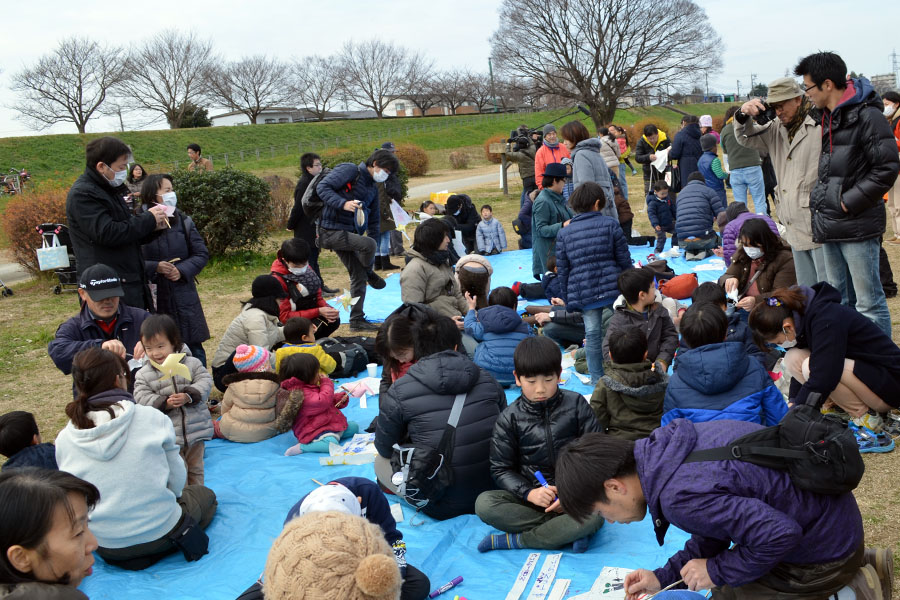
[242, 156]
[226, 159]
[257, 154]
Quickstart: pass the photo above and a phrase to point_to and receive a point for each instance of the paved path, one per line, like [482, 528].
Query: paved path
[453, 185]
[11, 273]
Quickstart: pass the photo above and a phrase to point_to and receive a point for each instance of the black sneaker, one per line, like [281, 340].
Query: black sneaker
[329, 291]
[387, 265]
[373, 279]
[363, 325]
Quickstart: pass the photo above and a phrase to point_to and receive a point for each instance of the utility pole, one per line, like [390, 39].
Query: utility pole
[895, 66]
[738, 97]
[752, 82]
[706, 75]
[493, 93]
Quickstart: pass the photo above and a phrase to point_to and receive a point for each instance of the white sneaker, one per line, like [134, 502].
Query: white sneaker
[870, 421]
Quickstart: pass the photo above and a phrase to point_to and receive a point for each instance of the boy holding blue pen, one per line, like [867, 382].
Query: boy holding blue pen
[527, 437]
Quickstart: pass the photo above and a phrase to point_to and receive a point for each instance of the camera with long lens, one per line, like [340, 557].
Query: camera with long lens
[520, 139]
[765, 115]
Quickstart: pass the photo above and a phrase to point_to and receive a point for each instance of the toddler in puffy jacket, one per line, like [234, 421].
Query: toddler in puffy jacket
[319, 422]
[252, 410]
[489, 235]
[499, 328]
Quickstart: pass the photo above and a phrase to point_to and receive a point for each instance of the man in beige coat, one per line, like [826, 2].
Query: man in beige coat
[793, 140]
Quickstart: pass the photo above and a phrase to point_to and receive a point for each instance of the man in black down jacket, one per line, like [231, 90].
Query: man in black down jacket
[526, 440]
[102, 228]
[303, 227]
[686, 147]
[417, 407]
[858, 165]
[460, 207]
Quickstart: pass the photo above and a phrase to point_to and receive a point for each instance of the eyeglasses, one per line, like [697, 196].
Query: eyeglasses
[806, 89]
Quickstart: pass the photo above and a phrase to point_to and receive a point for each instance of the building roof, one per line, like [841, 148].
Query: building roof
[273, 109]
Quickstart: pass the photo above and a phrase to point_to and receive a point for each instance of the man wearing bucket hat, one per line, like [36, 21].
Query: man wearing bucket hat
[549, 214]
[793, 142]
[104, 320]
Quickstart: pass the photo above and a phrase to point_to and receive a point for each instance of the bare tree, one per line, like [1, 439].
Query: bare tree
[166, 73]
[375, 72]
[250, 85]
[480, 90]
[453, 89]
[591, 51]
[68, 85]
[419, 84]
[317, 81]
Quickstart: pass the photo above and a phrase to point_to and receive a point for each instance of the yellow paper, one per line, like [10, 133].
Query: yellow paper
[172, 366]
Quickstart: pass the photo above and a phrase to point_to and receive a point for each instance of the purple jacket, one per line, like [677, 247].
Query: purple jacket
[732, 231]
[768, 519]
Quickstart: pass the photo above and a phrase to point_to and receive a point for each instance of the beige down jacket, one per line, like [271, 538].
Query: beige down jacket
[610, 152]
[434, 285]
[796, 166]
[192, 421]
[253, 327]
[251, 408]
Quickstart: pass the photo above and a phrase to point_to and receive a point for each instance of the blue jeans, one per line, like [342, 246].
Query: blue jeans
[852, 268]
[809, 266]
[595, 322]
[623, 183]
[750, 178]
[384, 244]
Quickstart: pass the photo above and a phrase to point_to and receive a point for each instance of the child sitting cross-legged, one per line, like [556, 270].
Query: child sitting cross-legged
[638, 305]
[300, 336]
[628, 399]
[320, 421]
[252, 409]
[500, 328]
[717, 379]
[527, 437]
[20, 442]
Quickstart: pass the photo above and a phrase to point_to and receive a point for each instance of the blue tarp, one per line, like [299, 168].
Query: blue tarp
[256, 485]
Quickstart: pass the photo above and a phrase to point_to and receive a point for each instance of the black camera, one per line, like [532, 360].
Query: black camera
[765, 115]
[520, 139]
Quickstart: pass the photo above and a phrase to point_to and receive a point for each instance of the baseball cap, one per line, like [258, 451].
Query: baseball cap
[705, 121]
[388, 146]
[101, 282]
[783, 88]
[331, 497]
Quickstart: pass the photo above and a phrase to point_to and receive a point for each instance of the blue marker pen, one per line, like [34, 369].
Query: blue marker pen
[543, 481]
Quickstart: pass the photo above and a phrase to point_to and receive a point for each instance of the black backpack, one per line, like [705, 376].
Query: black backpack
[367, 344]
[311, 203]
[351, 358]
[819, 451]
[423, 474]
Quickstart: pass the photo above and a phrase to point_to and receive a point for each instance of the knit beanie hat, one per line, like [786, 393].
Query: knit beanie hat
[267, 285]
[549, 128]
[331, 556]
[708, 142]
[252, 359]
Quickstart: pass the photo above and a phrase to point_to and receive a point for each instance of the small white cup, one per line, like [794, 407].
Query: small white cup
[371, 368]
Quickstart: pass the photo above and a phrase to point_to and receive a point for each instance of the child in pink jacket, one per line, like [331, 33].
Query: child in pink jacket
[319, 421]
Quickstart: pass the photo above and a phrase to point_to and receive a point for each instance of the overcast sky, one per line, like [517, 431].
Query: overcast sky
[761, 37]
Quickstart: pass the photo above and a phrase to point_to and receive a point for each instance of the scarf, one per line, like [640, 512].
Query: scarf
[549, 145]
[438, 258]
[400, 369]
[794, 126]
[303, 288]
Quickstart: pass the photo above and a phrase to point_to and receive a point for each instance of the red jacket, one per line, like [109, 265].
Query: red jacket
[546, 155]
[318, 413]
[285, 309]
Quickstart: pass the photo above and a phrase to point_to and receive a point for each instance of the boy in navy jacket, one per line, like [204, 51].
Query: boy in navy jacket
[661, 211]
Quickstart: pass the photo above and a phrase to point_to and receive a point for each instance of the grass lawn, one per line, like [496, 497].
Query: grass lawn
[30, 381]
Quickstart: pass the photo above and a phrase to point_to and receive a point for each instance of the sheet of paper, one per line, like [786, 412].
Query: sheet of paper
[401, 218]
[662, 157]
[560, 587]
[458, 244]
[545, 577]
[524, 575]
[364, 401]
[397, 512]
[611, 583]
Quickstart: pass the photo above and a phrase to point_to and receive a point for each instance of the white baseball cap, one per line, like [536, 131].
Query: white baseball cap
[331, 497]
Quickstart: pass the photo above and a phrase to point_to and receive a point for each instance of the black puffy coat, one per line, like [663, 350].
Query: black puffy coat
[686, 150]
[179, 298]
[298, 222]
[103, 230]
[416, 408]
[858, 165]
[529, 435]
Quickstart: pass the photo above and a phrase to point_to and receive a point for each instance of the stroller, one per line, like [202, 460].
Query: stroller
[68, 279]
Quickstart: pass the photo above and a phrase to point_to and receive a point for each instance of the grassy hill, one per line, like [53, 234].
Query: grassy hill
[61, 157]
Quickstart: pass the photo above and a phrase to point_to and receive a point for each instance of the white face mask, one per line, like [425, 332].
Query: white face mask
[787, 343]
[298, 270]
[118, 177]
[889, 110]
[170, 199]
[380, 176]
[753, 253]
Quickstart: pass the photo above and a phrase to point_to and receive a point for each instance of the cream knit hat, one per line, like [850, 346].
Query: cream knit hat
[331, 556]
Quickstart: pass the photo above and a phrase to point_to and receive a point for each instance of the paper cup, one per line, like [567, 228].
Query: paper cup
[371, 368]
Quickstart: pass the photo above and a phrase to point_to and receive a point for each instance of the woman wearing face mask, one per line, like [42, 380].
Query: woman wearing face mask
[102, 228]
[762, 263]
[44, 536]
[892, 112]
[172, 260]
[835, 355]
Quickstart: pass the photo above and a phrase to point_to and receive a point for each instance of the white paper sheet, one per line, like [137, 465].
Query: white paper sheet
[524, 575]
[545, 577]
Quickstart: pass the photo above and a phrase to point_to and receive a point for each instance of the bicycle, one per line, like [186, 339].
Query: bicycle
[13, 182]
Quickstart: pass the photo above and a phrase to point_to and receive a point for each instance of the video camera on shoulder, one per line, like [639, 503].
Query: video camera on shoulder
[520, 138]
[765, 115]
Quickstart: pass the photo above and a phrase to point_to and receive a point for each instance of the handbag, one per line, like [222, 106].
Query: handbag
[52, 256]
[679, 287]
[422, 474]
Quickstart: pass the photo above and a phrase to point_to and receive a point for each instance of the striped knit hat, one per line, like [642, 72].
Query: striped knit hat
[249, 359]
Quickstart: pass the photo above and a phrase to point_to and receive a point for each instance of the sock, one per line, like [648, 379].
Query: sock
[500, 541]
[293, 450]
[515, 287]
[580, 545]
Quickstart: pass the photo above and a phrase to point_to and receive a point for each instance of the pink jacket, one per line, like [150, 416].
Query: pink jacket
[318, 414]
